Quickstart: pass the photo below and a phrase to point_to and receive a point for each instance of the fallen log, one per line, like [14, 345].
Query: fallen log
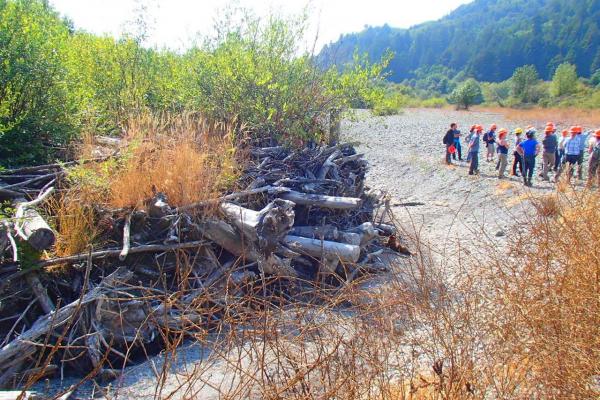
[226, 237]
[107, 141]
[366, 231]
[272, 190]
[126, 238]
[323, 248]
[323, 201]
[327, 232]
[31, 226]
[40, 293]
[267, 226]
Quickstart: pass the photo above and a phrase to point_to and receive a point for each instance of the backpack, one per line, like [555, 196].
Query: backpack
[596, 152]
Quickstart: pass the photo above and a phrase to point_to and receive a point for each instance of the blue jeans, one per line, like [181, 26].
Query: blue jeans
[528, 167]
[474, 156]
[458, 150]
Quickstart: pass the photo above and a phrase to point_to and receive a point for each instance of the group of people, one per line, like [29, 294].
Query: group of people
[558, 154]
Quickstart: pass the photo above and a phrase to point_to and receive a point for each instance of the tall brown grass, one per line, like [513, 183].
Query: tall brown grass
[185, 157]
[539, 116]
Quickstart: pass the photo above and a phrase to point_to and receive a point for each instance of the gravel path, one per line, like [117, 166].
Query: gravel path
[406, 155]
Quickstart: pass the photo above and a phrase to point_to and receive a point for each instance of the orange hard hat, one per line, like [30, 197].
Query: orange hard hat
[573, 129]
[550, 124]
[549, 129]
[565, 133]
[579, 129]
[597, 133]
[479, 128]
[493, 127]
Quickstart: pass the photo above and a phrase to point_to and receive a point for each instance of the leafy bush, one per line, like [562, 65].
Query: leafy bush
[56, 83]
[35, 115]
[524, 81]
[564, 81]
[466, 95]
[434, 102]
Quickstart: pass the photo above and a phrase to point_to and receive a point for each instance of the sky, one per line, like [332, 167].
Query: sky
[175, 23]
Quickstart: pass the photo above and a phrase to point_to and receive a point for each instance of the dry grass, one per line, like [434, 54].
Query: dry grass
[181, 158]
[539, 116]
[76, 226]
[512, 321]
[549, 289]
[184, 157]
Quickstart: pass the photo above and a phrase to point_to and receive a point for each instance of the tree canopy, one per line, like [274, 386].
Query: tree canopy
[487, 39]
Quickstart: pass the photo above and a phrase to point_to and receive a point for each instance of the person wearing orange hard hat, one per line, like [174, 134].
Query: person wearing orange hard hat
[594, 165]
[583, 137]
[468, 140]
[572, 149]
[474, 151]
[502, 152]
[550, 145]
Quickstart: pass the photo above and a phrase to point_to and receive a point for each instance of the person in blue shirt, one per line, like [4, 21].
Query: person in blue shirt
[474, 151]
[458, 151]
[529, 149]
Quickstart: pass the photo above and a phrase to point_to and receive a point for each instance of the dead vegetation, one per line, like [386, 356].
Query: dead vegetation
[560, 116]
[514, 321]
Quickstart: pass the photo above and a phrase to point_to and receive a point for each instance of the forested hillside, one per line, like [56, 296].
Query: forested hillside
[486, 39]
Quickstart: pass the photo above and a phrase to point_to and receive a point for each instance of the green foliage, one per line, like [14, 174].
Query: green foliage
[524, 80]
[35, 113]
[391, 104]
[56, 83]
[496, 93]
[564, 81]
[487, 39]
[467, 94]
[434, 102]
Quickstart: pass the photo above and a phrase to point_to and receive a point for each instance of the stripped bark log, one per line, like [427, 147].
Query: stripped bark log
[31, 226]
[126, 238]
[322, 201]
[366, 231]
[226, 237]
[323, 248]
[267, 226]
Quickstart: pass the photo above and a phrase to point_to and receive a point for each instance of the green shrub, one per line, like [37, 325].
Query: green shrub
[434, 102]
[467, 94]
[564, 81]
[35, 114]
[56, 83]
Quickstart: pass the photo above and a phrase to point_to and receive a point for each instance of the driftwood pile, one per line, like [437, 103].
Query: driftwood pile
[304, 218]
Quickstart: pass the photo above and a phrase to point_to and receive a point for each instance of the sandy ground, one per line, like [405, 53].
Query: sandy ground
[442, 202]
